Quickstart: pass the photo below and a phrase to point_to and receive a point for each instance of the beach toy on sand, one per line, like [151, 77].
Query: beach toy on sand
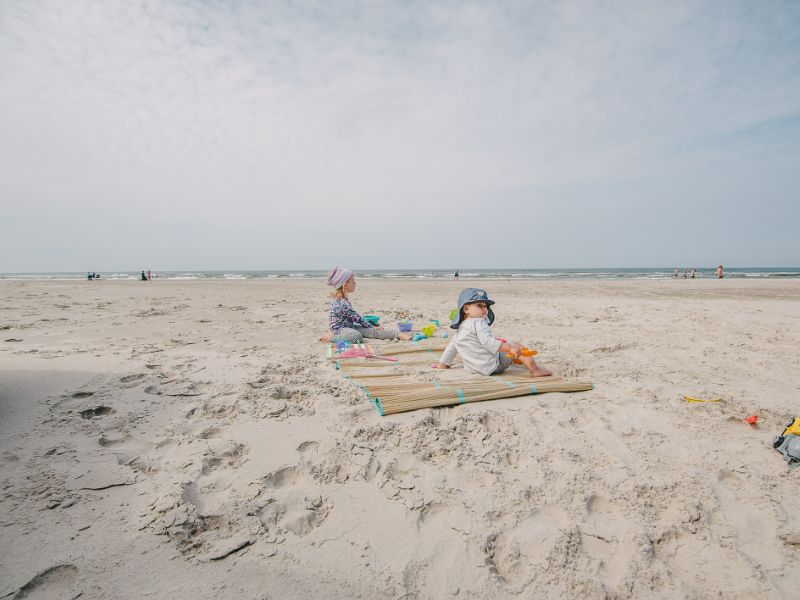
[405, 326]
[793, 427]
[427, 332]
[524, 351]
[435, 322]
[453, 313]
[342, 345]
[690, 399]
[372, 319]
[751, 420]
[363, 353]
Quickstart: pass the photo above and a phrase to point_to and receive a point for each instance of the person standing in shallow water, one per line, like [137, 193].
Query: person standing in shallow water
[720, 272]
[455, 275]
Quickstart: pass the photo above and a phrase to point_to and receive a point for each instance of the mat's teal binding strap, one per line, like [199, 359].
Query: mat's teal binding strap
[461, 397]
[533, 389]
[337, 365]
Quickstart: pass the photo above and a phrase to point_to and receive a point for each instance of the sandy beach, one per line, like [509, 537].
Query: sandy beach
[188, 439]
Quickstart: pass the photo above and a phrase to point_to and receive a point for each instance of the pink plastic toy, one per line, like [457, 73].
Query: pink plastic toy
[363, 353]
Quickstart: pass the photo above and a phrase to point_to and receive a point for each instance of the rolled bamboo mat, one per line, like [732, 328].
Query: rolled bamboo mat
[432, 396]
[392, 389]
[427, 345]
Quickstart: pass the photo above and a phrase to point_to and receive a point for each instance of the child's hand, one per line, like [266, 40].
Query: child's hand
[515, 350]
[440, 366]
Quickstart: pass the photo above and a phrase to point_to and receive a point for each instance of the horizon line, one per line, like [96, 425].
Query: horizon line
[385, 269]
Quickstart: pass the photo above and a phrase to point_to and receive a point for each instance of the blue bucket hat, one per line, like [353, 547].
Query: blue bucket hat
[468, 296]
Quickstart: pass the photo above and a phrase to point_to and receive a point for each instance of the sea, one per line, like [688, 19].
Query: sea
[466, 274]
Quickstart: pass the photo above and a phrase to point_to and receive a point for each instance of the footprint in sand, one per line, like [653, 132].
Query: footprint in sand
[307, 449]
[606, 537]
[96, 411]
[106, 442]
[175, 389]
[80, 395]
[293, 503]
[699, 546]
[209, 433]
[515, 554]
[129, 381]
[752, 523]
[285, 477]
[58, 582]
[228, 456]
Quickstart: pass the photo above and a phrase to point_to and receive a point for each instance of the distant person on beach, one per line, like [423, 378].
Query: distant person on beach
[89, 276]
[455, 275]
[149, 275]
[480, 351]
[675, 273]
[694, 273]
[720, 272]
[346, 325]
[685, 273]
[144, 276]
[96, 275]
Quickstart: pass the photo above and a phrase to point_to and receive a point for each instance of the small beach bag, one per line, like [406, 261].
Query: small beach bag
[788, 443]
[790, 448]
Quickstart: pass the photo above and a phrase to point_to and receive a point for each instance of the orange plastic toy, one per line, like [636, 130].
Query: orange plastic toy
[524, 351]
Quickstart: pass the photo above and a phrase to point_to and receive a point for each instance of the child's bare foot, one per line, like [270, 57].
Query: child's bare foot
[535, 370]
[404, 336]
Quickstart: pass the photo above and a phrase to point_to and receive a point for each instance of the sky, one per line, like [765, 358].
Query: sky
[195, 134]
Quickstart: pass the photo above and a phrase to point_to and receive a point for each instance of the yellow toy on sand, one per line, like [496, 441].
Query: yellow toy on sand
[793, 427]
[690, 399]
[429, 330]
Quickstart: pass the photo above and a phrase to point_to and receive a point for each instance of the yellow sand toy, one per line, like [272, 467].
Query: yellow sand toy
[793, 426]
[690, 399]
[429, 330]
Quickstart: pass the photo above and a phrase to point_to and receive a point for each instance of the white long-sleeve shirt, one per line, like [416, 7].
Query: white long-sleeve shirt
[476, 346]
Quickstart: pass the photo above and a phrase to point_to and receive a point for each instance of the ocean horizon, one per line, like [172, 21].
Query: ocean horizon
[466, 274]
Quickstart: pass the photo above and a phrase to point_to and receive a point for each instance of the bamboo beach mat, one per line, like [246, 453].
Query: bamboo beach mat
[410, 383]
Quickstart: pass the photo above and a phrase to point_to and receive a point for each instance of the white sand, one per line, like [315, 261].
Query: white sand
[186, 439]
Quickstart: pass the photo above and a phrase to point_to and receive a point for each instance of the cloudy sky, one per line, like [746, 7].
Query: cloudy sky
[188, 135]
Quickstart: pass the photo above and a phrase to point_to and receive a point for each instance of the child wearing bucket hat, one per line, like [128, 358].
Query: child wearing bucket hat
[346, 325]
[480, 351]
